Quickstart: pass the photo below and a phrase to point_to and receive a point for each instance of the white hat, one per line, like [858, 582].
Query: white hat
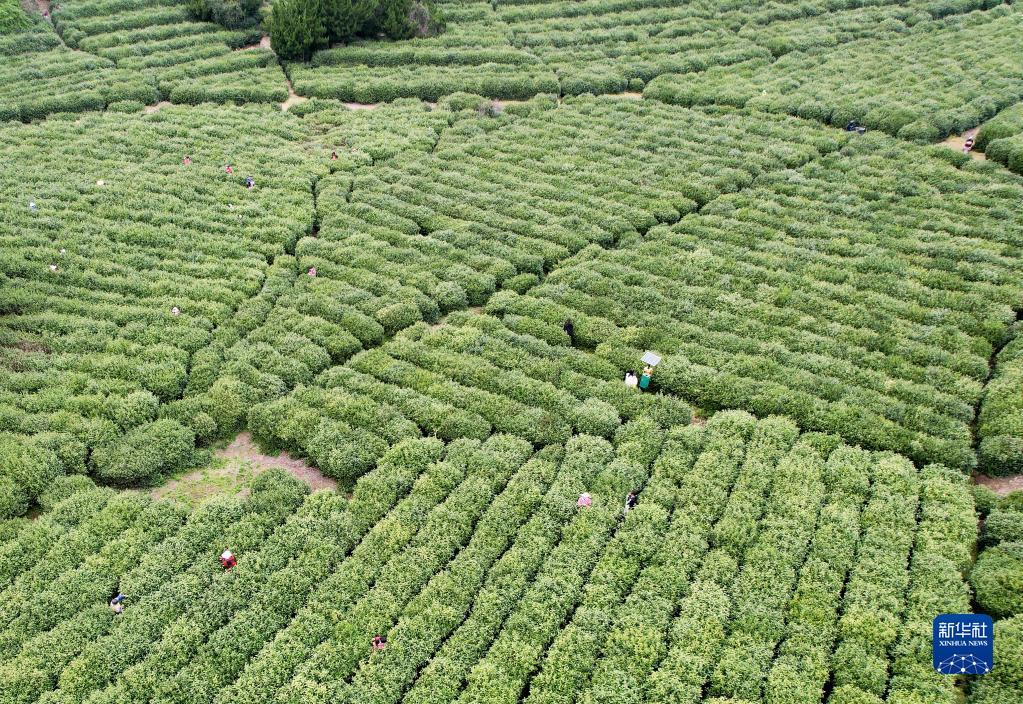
[226, 555]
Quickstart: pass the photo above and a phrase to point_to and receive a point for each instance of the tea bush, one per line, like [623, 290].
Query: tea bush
[474, 560]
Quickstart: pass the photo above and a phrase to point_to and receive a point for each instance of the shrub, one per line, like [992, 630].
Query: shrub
[62, 488]
[1013, 501]
[596, 417]
[1007, 123]
[1004, 684]
[30, 466]
[1003, 526]
[70, 452]
[1001, 455]
[135, 409]
[397, 316]
[521, 283]
[13, 499]
[145, 453]
[985, 499]
[342, 452]
[849, 694]
[450, 296]
[227, 402]
[126, 106]
[997, 580]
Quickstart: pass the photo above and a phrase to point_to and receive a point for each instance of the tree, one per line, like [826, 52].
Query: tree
[297, 28]
[346, 18]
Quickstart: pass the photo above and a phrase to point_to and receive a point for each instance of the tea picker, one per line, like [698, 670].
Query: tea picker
[631, 500]
[228, 560]
[584, 500]
[644, 379]
[117, 603]
[651, 360]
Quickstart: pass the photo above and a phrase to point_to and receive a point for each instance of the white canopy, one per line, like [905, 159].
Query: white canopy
[650, 358]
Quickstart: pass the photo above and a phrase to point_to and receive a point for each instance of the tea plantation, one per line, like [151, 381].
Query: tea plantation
[440, 298]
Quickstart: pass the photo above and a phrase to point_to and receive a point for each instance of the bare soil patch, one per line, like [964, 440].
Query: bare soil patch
[28, 346]
[956, 141]
[293, 97]
[1001, 485]
[362, 106]
[233, 470]
[150, 109]
[243, 448]
[263, 43]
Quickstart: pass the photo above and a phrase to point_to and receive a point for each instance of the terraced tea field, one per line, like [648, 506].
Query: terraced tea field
[440, 305]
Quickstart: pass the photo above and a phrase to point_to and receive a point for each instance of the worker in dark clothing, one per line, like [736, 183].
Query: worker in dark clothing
[250, 182]
[569, 329]
[631, 500]
[333, 156]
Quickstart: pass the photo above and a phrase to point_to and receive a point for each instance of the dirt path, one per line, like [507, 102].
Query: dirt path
[233, 470]
[956, 142]
[293, 97]
[150, 109]
[362, 106]
[1001, 485]
[263, 43]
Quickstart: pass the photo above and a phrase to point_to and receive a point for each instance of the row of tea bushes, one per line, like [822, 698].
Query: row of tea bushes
[488, 581]
[38, 83]
[1000, 420]
[435, 214]
[939, 78]
[516, 50]
[130, 52]
[118, 271]
[881, 339]
[1001, 138]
